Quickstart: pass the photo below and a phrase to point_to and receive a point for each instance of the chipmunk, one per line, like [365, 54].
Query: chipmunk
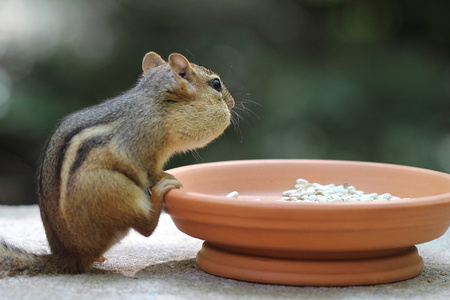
[102, 169]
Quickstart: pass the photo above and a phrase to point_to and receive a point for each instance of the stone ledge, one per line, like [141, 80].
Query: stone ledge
[163, 267]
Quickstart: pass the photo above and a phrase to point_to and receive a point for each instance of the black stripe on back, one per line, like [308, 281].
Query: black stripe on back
[62, 150]
[84, 149]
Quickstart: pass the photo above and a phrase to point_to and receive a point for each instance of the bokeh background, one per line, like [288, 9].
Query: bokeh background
[324, 79]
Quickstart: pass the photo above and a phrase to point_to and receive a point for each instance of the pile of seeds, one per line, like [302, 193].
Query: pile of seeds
[314, 192]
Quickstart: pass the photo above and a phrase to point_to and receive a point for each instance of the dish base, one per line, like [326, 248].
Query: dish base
[363, 270]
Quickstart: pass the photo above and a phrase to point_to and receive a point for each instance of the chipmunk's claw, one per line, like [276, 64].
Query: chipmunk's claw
[165, 185]
[101, 259]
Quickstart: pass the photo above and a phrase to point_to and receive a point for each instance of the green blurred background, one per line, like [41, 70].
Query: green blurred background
[323, 79]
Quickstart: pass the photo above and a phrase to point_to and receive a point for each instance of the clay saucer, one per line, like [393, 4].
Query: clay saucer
[257, 238]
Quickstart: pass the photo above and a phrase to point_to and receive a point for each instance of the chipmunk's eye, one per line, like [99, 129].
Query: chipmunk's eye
[215, 84]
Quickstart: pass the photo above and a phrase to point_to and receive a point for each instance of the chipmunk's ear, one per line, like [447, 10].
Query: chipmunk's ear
[150, 61]
[180, 65]
[181, 69]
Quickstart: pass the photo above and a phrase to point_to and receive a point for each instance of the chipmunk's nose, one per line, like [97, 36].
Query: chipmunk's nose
[230, 102]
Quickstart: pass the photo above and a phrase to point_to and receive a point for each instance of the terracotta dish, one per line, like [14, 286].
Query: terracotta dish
[322, 244]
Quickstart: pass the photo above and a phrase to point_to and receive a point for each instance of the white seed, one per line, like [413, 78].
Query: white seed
[336, 198]
[385, 196]
[327, 191]
[233, 194]
[301, 181]
[365, 198]
[289, 192]
[321, 199]
[309, 191]
[340, 190]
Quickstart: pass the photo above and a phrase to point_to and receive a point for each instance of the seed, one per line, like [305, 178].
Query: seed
[289, 192]
[310, 191]
[336, 198]
[233, 194]
[340, 190]
[328, 191]
[301, 181]
[385, 196]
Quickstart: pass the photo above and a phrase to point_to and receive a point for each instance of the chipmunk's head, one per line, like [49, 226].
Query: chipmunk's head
[195, 101]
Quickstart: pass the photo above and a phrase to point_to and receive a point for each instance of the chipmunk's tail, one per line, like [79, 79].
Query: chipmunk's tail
[15, 261]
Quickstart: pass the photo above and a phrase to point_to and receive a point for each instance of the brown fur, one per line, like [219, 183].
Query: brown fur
[101, 162]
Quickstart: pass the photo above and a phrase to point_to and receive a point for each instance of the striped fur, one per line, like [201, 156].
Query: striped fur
[100, 162]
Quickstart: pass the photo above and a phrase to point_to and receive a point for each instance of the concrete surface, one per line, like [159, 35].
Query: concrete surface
[163, 267]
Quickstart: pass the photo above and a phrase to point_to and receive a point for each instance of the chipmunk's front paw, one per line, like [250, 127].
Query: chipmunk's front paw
[166, 184]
